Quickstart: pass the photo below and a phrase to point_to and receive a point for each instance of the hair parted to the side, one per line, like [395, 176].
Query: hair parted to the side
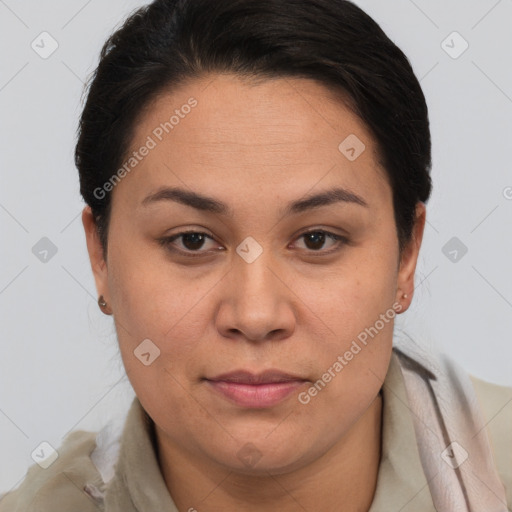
[168, 42]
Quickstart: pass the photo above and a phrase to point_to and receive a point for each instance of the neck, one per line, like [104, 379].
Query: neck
[344, 478]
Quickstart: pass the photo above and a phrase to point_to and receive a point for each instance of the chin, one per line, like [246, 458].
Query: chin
[262, 456]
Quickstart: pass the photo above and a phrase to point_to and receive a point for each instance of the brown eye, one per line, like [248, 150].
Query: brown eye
[191, 242]
[315, 240]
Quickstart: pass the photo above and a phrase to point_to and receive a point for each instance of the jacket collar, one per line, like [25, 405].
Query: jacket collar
[138, 484]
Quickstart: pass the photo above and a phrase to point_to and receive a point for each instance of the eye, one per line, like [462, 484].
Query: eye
[192, 241]
[315, 239]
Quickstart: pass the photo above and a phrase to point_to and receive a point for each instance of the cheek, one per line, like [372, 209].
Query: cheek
[355, 295]
[357, 306]
[149, 296]
[151, 303]
[352, 360]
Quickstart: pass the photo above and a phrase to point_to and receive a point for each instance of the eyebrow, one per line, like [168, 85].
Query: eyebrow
[212, 205]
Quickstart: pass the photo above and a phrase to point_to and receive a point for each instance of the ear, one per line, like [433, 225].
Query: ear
[96, 255]
[408, 260]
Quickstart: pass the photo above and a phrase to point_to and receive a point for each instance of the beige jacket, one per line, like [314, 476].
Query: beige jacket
[73, 483]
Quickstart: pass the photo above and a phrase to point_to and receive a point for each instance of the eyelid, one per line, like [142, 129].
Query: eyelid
[167, 242]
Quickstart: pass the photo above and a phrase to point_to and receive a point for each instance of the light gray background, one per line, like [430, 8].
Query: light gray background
[60, 369]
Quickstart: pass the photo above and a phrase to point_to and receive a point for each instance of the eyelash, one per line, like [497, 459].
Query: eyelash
[167, 243]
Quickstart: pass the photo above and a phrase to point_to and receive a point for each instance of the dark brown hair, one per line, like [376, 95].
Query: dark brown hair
[334, 42]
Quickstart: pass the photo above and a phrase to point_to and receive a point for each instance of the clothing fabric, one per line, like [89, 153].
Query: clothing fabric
[454, 447]
[84, 477]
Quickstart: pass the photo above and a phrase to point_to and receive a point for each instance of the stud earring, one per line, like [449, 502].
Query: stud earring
[405, 295]
[103, 304]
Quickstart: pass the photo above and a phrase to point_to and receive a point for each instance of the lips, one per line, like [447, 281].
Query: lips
[250, 390]
[266, 377]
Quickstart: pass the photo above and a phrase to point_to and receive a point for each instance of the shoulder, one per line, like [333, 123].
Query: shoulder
[64, 485]
[496, 404]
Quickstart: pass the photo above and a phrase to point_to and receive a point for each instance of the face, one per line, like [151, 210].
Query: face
[269, 278]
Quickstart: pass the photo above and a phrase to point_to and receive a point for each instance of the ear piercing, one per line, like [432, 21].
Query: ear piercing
[102, 303]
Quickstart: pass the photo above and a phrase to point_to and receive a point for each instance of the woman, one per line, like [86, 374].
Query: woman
[256, 174]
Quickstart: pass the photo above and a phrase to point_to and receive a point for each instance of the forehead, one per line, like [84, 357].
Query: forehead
[222, 131]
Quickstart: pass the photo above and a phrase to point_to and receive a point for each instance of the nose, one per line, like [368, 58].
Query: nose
[257, 303]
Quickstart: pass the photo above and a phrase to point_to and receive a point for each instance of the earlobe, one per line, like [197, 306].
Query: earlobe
[96, 253]
[409, 259]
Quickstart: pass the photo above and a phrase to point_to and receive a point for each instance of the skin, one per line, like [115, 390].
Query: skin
[256, 147]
